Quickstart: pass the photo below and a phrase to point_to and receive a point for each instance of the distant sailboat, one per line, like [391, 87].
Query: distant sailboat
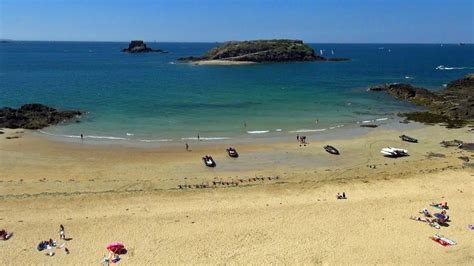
[332, 52]
[321, 52]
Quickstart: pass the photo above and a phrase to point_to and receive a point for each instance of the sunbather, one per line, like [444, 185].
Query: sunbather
[425, 212]
[4, 235]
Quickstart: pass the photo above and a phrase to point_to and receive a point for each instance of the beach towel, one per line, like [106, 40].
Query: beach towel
[445, 239]
[440, 241]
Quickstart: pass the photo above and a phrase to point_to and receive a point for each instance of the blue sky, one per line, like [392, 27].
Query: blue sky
[340, 21]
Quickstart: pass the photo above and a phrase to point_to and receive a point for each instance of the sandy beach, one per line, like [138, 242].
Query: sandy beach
[103, 194]
[221, 62]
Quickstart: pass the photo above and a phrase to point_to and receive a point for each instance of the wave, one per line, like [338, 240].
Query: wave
[105, 137]
[85, 136]
[205, 138]
[129, 134]
[278, 130]
[258, 131]
[367, 121]
[381, 119]
[308, 130]
[58, 135]
[441, 67]
[155, 140]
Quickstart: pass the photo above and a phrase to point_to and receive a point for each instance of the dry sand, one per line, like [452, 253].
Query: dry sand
[112, 193]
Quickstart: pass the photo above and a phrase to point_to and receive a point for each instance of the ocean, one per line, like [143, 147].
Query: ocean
[153, 98]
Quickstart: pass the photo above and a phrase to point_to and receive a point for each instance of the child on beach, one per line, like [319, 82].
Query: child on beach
[62, 235]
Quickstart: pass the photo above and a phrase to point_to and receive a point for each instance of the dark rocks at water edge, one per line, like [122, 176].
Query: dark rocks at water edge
[139, 46]
[260, 51]
[34, 116]
[453, 105]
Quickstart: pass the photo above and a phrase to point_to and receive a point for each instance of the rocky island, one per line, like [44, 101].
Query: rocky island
[34, 116]
[453, 105]
[259, 51]
[139, 46]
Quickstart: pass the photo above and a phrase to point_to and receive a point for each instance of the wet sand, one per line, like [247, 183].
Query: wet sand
[113, 193]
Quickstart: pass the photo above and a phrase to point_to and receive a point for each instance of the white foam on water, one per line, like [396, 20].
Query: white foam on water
[258, 131]
[206, 138]
[59, 135]
[381, 119]
[308, 130]
[155, 140]
[441, 67]
[278, 130]
[367, 121]
[332, 127]
[105, 137]
[129, 134]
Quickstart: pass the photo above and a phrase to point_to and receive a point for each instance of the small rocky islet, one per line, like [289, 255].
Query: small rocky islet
[453, 106]
[139, 46]
[261, 51]
[34, 116]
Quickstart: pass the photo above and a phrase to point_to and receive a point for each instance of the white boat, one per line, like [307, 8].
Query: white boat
[394, 152]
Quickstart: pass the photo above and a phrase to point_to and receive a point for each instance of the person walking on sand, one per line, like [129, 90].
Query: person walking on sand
[82, 137]
[187, 146]
[62, 235]
[297, 137]
[198, 138]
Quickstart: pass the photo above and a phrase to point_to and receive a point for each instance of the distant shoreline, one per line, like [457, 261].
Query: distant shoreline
[221, 62]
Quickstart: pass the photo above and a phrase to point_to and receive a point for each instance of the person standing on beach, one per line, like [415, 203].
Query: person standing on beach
[297, 137]
[62, 235]
[187, 146]
[82, 136]
[198, 138]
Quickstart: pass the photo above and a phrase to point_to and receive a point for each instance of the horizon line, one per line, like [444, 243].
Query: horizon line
[154, 41]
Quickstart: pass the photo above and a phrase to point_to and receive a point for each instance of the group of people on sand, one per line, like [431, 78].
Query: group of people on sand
[301, 139]
[50, 244]
[435, 219]
[341, 196]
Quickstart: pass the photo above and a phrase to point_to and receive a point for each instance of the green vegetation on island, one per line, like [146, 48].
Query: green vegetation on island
[259, 51]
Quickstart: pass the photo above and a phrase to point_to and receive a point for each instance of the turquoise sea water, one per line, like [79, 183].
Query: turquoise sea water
[151, 97]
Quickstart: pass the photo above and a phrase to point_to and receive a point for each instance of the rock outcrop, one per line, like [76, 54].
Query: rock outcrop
[34, 116]
[139, 46]
[260, 51]
[453, 105]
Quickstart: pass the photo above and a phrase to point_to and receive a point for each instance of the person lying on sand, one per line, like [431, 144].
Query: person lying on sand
[426, 212]
[431, 222]
[442, 205]
[4, 235]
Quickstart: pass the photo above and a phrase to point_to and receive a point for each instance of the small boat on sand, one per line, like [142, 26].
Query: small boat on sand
[208, 161]
[408, 139]
[331, 149]
[232, 152]
[394, 152]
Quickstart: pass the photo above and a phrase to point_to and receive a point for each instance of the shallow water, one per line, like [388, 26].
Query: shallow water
[150, 98]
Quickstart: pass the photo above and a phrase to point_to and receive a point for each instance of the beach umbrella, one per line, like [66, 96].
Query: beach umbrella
[116, 247]
[440, 216]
